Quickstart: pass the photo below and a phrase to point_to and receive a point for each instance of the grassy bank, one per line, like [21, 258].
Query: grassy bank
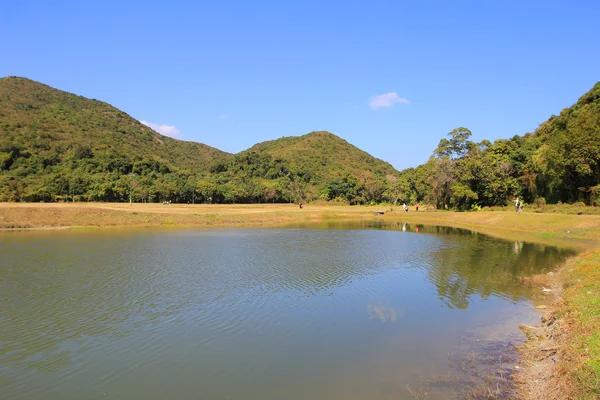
[562, 359]
[537, 225]
[580, 310]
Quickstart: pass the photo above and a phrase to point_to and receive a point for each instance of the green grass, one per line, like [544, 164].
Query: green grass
[560, 208]
[582, 310]
[551, 234]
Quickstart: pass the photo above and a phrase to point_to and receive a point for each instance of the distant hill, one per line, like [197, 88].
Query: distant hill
[325, 154]
[54, 127]
[57, 146]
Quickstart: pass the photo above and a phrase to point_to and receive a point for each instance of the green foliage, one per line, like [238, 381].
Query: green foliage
[475, 207]
[457, 146]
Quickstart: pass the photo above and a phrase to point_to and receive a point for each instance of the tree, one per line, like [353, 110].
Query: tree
[440, 181]
[269, 194]
[393, 189]
[457, 147]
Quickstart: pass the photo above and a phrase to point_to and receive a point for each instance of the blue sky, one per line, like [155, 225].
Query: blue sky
[390, 77]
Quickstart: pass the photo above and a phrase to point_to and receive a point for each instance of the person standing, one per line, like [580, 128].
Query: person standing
[404, 207]
[417, 207]
[517, 205]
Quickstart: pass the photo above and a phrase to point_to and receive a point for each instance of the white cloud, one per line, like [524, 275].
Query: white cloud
[167, 130]
[223, 116]
[386, 100]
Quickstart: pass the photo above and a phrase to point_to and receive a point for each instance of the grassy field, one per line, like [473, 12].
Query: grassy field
[578, 310]
[499, 223]
[62, 215]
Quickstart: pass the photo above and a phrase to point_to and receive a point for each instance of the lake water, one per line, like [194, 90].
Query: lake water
[342, 311]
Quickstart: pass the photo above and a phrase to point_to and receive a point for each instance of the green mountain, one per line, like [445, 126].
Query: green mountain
[325, 154]
[56, 145]
[52, 127]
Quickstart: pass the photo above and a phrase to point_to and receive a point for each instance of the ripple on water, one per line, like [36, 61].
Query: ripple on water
[121, 311]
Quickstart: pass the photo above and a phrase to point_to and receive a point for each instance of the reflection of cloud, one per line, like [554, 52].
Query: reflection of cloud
[383, 312]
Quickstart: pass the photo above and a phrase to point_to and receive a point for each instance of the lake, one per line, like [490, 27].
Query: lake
[328, 311]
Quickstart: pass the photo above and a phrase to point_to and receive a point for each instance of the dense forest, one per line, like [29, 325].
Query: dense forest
[57, 146]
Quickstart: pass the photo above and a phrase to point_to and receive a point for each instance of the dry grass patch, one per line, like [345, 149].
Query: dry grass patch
[52, 215]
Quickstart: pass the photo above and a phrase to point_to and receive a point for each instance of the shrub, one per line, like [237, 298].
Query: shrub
[540, 202]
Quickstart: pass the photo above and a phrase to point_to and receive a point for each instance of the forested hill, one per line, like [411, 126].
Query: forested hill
[560, 161]
[324, 154]
[54, 127]
[57, 146]
[568, 160]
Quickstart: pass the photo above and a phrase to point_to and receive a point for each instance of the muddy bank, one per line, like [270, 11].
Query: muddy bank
[560, 358]
[537, 378]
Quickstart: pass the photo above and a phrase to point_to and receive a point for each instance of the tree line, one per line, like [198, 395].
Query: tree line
[85, 175]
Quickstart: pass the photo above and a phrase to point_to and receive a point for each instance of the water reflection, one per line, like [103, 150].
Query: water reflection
[518, 247]
[479, 264]
[466, 263]
[384, 312]
[186, 313]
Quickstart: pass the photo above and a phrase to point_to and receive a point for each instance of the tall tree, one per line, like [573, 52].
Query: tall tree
[457, 146]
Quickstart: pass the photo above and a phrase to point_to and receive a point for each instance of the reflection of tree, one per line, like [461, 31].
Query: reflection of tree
[478, 264]
[470, 263]
[473, 263]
